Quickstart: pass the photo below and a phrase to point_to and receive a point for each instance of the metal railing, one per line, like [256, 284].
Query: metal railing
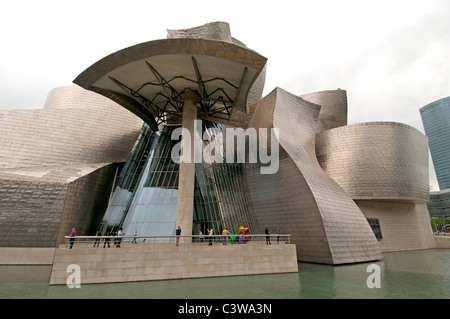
[441, 233]
[130, 241]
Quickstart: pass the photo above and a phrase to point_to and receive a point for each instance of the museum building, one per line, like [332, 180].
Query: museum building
[99, 155]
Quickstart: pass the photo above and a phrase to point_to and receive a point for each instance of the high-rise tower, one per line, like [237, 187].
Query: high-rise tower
[436, 122]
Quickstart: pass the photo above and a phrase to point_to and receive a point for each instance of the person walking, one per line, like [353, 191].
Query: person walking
[225, 232]
[107, 239]
[210, 234]
[277, 231]
[178, 234]
[97, 240]
[72, 239]
[267, 237]
[119, 235]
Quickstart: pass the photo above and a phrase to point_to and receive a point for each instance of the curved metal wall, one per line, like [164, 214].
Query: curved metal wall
[75, 97]
[333, 111]
[376, 161]
[57, 165]
[326, 224]
[67, 131]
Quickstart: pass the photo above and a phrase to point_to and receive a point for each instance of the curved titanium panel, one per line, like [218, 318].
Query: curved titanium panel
[219, 31]
[376, 161]
[326, 225]
[67, 131]
[57, 165]
[333, 111]
[75, 97]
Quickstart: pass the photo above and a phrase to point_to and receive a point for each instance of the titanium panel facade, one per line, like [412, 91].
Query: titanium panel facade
[57, 165]
[376, 161]
[325, 223]
[383, 167]
[333, 111]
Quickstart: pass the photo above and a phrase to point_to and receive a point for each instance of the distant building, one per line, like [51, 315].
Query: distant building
[436, 122]
[439, 204]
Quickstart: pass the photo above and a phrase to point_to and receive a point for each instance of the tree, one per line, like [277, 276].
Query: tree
[436, 223]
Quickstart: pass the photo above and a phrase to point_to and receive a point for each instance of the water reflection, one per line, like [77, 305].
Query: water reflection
[413, 274]
[285, 286]
[417, 274]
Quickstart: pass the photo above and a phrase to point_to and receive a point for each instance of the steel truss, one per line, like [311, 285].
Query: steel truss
[168, 102]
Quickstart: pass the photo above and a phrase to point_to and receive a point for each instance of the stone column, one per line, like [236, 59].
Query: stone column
[185, 206]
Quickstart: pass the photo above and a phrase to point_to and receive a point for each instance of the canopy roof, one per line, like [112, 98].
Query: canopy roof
[149, 79]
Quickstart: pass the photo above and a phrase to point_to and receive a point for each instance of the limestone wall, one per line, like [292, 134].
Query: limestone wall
[442, 241]
[104, 265]
[26, 256]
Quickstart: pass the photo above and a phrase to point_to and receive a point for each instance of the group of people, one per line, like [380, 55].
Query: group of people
[117, 238]
[225, 234]
[119, 233]
[277, 232]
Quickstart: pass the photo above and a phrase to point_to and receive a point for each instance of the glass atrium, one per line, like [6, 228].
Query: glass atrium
[145, 193]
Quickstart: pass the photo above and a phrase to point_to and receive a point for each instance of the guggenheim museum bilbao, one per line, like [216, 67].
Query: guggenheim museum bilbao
[99, 155]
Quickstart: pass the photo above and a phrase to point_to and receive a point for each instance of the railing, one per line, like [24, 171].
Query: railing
[134, 241]
[441, 233]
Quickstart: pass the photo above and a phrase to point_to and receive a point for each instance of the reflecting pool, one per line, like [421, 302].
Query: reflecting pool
[402, 275]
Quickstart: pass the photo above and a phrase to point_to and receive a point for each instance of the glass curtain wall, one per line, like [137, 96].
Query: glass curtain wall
[220, 198]
[126, 182]
[435, 118]
[145, 198]
[154, 208]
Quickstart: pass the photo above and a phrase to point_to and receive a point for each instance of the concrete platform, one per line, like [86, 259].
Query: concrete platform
[26, 255]
[143, 263]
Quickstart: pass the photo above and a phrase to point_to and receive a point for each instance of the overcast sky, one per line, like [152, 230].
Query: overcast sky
[391, 56]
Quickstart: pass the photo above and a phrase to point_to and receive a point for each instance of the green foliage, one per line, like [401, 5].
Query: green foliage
[436, 223]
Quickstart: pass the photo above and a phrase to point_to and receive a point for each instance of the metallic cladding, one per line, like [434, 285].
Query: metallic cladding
[376, 161]
[57, 165]
[326, 225]
[333, 110]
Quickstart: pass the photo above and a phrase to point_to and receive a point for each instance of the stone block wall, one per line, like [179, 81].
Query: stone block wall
[404, 226]
[141, 263]
[26, 256]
